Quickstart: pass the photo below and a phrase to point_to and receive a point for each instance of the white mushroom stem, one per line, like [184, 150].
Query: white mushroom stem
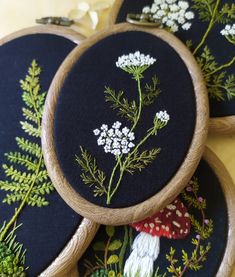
[145, 250]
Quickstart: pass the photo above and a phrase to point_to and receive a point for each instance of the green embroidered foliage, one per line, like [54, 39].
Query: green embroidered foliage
[12, 256]
[203, 229]
[126, 109]
[91, 175]
[219, 85]
[26, 176]
[139, 161]
[205, 9]
[151, 92]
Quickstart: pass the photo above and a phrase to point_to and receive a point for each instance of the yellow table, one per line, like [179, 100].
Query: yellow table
[15, 15]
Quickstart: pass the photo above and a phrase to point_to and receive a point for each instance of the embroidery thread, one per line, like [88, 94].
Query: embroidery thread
[175, 221]
[220, 84]
[26, 179]
[121, 142]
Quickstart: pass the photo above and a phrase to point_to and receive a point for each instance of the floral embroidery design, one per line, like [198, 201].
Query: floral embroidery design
[26, 180]
[120, 140]
[175, 221]
[173, 14]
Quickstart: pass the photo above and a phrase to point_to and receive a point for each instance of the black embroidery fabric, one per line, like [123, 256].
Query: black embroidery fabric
[45, 231]
[219, 46]
[216, 210]
[81, 108]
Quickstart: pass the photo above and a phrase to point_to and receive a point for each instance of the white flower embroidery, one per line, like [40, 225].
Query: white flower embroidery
[135, 59]
[163, 116]
[228, 30]
[115, 140]
[172, 13]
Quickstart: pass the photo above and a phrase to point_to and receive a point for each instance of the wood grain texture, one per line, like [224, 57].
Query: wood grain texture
[140, 211]
[84, 234]
[228, 187]
[222, 125]
[45, 29]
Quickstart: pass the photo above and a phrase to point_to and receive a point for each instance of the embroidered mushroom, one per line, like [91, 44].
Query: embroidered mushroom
[172, 222]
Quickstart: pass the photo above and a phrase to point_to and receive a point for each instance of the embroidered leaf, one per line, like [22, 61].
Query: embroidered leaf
[219, 84]
[204, 8]
[115, 245]
[126, 109]
[139, 161]
[151, 92]
[113, 259]
[157, 274]
[110, 230]
[26, 177]
[99, 246]
[91, 175]
[29, 147]
[226, 14]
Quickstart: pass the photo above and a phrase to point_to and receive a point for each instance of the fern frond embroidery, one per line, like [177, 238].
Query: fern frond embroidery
[26, 180]
[120, 140]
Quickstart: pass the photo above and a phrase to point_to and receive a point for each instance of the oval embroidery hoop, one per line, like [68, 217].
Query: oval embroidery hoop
[119, 216]
[224, 260]
[85, 232]
[218, 124]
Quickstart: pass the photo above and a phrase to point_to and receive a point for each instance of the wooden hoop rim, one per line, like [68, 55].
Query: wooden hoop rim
[87, 229]
[217, 125]
[121, 216]
[228, 187]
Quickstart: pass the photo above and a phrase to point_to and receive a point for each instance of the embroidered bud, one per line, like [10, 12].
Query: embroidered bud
[163, 116]
[229, 30]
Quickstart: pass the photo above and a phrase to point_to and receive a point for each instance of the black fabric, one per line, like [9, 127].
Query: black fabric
[81, 108]
[45, 231]
[220, 48]
[211, 190]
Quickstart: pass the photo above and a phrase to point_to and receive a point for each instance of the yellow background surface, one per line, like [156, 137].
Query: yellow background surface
[18, 14]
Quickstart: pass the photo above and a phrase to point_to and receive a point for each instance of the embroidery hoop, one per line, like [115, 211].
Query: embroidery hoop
[85, 232]
[217, 125]
[140, 211]
[228, 187]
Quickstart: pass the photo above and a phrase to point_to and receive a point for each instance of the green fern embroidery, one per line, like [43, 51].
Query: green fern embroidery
[203, 228]
[26, 179]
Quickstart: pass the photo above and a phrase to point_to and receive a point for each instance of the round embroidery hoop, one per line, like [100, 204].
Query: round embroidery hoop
[86, 230]
[134, 213]
[226, 257]
[223, 124]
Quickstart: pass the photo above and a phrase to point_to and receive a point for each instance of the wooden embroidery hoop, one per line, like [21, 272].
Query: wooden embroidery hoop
[228, 188]
[121, 216]
[217, 125]
[84, 234]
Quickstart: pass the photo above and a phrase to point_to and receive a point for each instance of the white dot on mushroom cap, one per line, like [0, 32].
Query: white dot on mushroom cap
[157, 220]
[186, 214]
[171, 207]
[146, 225]
[181, 231]
[151, 225]
[176, 224]
[179, 213]
[157, 228]
[186, 231]
[163, 227]
[168, 214]
[167, 228]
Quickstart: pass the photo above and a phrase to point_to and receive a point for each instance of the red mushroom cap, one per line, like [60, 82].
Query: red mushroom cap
[172, 222]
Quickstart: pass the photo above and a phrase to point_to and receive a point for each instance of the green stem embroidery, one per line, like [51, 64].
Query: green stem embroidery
[211, 24]
[123, 249]
[226, 65]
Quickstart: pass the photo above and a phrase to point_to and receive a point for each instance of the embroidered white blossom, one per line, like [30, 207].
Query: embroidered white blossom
[115, 140]
[163, 116]
[229, 30]
[172, 13]
[135, 59]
